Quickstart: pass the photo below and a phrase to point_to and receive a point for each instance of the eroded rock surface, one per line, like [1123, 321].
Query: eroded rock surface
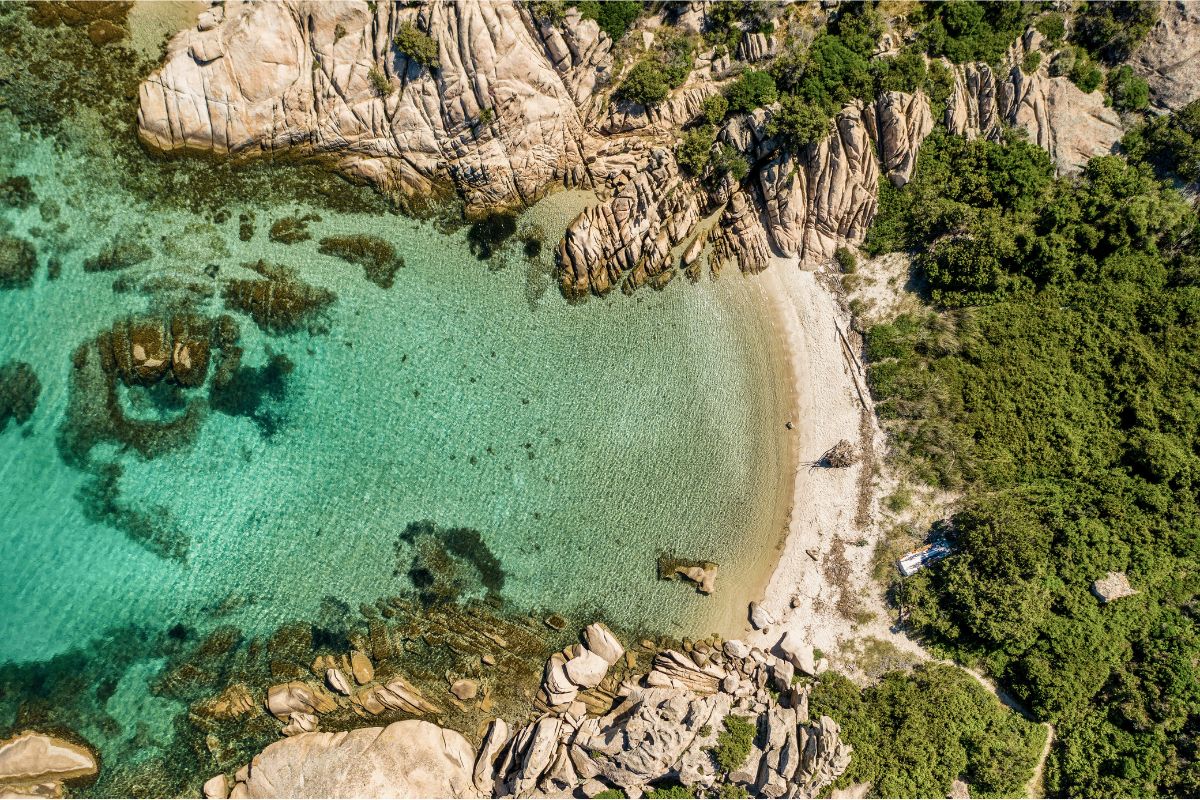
[34, 764]
[412, 758]
[1071, 125]
[264, 77]
[518, 104]
[1169, 58]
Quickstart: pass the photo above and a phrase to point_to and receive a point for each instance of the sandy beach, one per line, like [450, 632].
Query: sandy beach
[821, 586]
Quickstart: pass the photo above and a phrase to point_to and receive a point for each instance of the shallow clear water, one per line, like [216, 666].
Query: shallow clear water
[579, 441]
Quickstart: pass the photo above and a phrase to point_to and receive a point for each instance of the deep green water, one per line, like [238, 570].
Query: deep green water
[557, 450]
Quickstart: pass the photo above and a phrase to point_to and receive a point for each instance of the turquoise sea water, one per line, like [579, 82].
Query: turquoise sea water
[575, 443]
[579, 441]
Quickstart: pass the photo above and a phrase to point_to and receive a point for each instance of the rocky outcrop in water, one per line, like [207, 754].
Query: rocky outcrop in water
[630, 237]
[1071, 125]
[36, 765]
[495, 120]
[662, 728]
[18, 262]
[19, 391]
[1169, 58]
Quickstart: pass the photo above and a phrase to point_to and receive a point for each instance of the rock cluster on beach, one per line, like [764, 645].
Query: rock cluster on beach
[517, 105]
[659, 727]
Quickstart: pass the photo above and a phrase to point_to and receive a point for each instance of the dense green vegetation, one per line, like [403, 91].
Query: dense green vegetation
[971, 31]
[913, 734]
[1111, 30]
[653, 77]
[752, 89]
[1128, 92]
[1058, 389]
[1171, 144]
[417, 45]
[613, 16]
[734, 742]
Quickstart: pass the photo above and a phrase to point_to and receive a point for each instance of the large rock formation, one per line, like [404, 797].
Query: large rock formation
[517, 104]
[827, 196]
[1071, 125]
[495, 121]
[1169, 58]
[663, 727]
[649, 729]
[406, 759]
[36, 765]
[632, 233]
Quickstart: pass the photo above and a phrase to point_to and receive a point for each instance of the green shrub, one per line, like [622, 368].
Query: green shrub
[676, 792]
[939, 86]
[696, 155]
[1087, 76]
[1170, 144]
[552, 11]
[1111, 30]
[728, 161]
[704, 731]
[714, 109]
[799, 123]
[486, 117]
[1053, 26]
[645, 84]
[898, 500]
[611, 794]
[734, 742]
[753, 89]
[732, 791]
[695, 150]
[614, 16]
[846, 260]
[905, 72]
[417, 45]
[1031, 62]
[1129, 92]
[379, 82]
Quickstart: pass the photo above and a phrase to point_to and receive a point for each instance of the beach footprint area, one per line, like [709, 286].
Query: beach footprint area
[252, 413]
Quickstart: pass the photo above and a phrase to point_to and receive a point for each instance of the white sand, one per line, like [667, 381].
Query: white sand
[828, 408]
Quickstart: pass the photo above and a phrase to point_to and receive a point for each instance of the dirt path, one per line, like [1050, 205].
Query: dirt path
[1037, 784]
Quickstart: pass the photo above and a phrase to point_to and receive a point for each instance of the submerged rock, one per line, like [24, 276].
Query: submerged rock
[122, 252]
[290, 230]
[279, 302]
[17, 192]
[376, 256]
[702, 573]
[18, 262]
[19, 391]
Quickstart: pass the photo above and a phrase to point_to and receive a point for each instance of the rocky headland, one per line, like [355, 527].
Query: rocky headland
[515, 106]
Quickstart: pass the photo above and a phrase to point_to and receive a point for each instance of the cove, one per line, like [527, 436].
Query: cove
[556, 449]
